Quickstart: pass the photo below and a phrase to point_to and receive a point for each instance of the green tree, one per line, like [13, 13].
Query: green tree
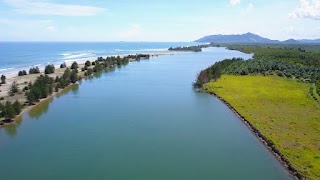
[13, 89]
[74, 65]
[3, 79]
[49, 69]
[17, 106]
[88, 63]
[63, 65]
[8, 111]
[74, 77]
[35, 70]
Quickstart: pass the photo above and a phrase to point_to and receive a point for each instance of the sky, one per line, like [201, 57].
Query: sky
[156, 20]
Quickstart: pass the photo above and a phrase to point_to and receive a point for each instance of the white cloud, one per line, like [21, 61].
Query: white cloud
[47, 8]
[25, 23]
[134, 32]
[234, 2]
[51, 28]
[248, 9]
[307, 9]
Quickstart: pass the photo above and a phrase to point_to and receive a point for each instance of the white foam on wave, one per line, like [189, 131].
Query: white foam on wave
[75, 56]
[141, 50]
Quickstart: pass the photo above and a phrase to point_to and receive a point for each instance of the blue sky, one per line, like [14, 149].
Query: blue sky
[165, 20]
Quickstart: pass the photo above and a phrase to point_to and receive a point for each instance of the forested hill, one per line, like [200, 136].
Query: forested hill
[250, 38]
[241, 38]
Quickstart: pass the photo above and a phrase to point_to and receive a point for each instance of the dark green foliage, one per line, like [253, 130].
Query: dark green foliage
[138, 56]
[88, 64]
[63, 65]
[307, 55]
[3, 79]
[89, 72]
[67, 78]
[93, 63]
[98, 67]
[35, 70]
[190, 48]
[301, 62]
[74, 65]
[13, 89]
[42, 88]
[9, 110]
[318, 87]
[17, 107]
[74, 76]
[281, 68]
[100, 59]
[22, 73]
[214, 72]
[49, 69]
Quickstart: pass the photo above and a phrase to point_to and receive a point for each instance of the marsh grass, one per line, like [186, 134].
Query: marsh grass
[283, 110]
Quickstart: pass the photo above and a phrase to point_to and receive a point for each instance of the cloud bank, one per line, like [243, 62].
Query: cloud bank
[307, 9]
[47, 8]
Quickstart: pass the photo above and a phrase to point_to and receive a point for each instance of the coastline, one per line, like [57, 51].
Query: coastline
[266, 142]
[21, 80]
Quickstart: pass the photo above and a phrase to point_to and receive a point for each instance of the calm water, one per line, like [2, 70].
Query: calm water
[141, 122]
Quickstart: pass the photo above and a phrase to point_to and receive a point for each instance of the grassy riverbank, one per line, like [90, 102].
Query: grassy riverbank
[282, 110]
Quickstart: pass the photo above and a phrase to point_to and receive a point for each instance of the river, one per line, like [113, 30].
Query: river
[143, 121]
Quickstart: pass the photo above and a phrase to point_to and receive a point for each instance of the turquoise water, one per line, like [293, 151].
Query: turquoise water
[141, 122]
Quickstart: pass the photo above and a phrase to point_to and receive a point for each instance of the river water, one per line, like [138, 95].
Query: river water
[143, 121]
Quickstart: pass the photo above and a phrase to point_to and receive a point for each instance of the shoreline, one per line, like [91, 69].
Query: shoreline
[33, 77]
[266, 142]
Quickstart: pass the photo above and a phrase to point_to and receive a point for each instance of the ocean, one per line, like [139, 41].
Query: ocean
[16, 56]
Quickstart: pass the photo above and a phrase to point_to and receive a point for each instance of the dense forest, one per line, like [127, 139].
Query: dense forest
[300, 62]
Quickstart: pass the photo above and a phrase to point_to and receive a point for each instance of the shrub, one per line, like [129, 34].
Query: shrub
[3, 79]
[13, 89]
[35, 70]
[63, 65]
[88, 63]
[74, 65]
[49, 69]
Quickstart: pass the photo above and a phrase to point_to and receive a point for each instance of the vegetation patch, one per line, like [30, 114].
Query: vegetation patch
[282, 111]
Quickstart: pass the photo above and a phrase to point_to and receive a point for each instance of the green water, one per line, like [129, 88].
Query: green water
[140, 122]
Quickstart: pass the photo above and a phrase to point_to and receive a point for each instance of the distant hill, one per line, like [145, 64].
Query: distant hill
[250, 38]
[314, 41]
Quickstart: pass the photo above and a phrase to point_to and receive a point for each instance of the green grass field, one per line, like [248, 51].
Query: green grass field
[282, 110]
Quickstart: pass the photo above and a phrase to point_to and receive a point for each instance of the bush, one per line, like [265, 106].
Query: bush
[40, 89]
[74, 65]
[13, 89]
[35, 70]
[22, 73]
[63, 65]
[49, 69]
[88, 63]
[3, 79]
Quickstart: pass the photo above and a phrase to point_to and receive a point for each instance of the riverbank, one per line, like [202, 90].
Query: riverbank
[23, 81]
[280, 113]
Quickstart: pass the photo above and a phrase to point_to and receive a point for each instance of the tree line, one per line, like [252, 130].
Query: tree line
[214, 72]
[197, 48]
[44, 85]
[288, 61]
